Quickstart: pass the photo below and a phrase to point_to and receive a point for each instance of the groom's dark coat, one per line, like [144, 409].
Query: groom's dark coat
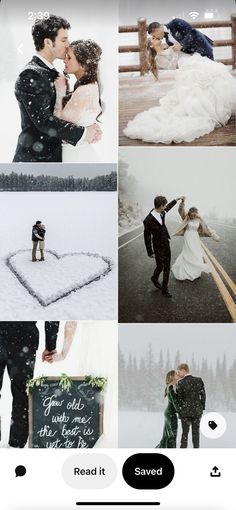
[18, 347]
[190, 39]
[156, 236]
[191, 397]
[42, 133]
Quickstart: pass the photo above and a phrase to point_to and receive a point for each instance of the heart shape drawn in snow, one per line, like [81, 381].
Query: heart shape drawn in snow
[59, 275]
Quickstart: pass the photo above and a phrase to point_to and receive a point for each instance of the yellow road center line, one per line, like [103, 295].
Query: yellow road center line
[227, 278]
[223, 290]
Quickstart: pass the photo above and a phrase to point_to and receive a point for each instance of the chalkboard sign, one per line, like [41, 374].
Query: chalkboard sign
[65, 419]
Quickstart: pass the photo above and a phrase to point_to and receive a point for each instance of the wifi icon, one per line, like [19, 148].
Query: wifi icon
[193, 14]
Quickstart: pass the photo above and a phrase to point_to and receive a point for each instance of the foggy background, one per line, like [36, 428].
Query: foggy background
[204, 176]
[211, 341]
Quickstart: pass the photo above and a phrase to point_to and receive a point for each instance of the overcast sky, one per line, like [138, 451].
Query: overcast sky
[205, 176]
[204, 340]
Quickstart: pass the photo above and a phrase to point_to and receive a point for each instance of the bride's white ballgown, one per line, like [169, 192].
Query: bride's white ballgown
[82, 109]
[189, 265]
[203, 97]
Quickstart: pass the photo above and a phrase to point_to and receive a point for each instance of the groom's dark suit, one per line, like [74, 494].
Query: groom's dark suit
[42, 133]
[192, 399]
[156, 238]
[190, 39]
[18, 346]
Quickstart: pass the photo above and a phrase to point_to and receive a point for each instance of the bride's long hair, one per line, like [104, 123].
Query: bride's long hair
[88, 54]
[150, 57]
[170, 379]
[190, 211]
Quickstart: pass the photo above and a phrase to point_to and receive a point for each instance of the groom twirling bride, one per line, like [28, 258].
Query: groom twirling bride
[43, 132]
[156, 237]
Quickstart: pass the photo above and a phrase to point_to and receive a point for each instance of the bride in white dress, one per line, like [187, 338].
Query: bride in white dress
[83, 105]
[190, 264]
[203, 97]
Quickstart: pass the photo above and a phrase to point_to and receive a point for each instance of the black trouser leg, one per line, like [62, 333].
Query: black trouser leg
[159, 267]
[186, 422]
[196, 432]
[166, 267]
[3, 363]
[20, 365]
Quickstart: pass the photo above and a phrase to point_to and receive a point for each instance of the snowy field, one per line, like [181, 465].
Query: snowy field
[78, 278]
[93, 351]
[140, 429]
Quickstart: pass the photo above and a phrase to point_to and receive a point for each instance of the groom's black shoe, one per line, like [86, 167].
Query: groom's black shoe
[166, 293]
[157, 284]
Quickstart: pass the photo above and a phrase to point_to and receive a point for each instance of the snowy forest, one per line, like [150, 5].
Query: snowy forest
[142, 383]
[24, 182]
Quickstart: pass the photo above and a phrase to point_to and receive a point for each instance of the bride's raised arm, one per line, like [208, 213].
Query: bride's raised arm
[181, 209]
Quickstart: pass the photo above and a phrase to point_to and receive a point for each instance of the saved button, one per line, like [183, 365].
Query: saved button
[148, 471]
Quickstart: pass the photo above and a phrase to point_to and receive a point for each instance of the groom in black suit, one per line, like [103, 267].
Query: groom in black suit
[187, 39]
[18, 347]
[42, 133]
[192, 399]
[156, 238]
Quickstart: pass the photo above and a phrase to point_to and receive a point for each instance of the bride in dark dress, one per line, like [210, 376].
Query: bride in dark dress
[169, 436]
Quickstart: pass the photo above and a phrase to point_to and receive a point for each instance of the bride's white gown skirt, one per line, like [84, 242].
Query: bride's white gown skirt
[203, 97]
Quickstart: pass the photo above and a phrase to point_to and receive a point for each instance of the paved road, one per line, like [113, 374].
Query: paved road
[198, 301]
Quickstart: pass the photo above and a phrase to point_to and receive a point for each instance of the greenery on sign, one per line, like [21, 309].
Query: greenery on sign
[31, 383]
[98, 382]
[65, 382]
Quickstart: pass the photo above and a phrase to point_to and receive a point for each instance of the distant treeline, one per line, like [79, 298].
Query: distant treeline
[24, 182]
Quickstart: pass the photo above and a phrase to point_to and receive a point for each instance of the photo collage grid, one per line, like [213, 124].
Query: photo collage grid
[118, 225]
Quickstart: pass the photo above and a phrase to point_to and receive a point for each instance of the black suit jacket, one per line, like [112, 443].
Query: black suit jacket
[190, 39]
[191, 397]
[156, 236]
[16, 330]
[42, 133]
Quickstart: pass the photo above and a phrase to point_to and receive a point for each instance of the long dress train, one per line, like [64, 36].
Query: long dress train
[203, 97]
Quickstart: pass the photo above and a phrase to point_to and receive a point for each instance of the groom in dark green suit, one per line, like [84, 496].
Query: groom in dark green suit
[191, 398]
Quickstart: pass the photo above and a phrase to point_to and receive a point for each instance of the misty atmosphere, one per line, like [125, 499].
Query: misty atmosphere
[204, 177]
[148, 352]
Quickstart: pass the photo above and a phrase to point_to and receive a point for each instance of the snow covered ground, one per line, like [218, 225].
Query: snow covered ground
[76, 223]
[140, 429]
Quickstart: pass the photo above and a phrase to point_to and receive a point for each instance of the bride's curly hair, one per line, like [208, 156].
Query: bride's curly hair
[150, 57]
[88, 54]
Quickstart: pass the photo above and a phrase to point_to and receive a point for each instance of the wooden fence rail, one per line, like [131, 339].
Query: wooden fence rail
[141, 29]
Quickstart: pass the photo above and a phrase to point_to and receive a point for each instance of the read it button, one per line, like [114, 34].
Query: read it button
[148, 471]
[89, 471]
